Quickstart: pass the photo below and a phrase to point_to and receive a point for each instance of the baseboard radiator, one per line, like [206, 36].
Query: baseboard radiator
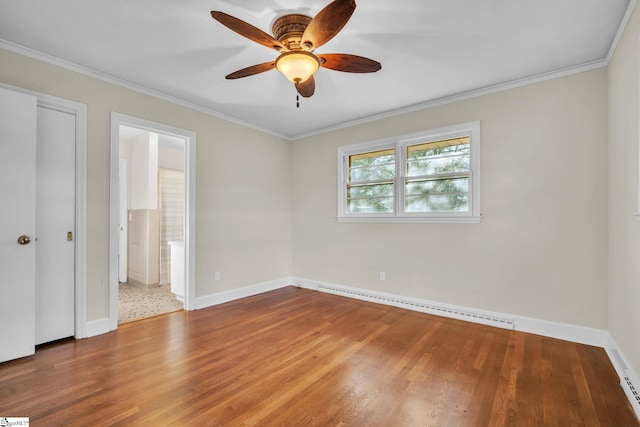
[632, 392]
[439, 310]
[626, 378]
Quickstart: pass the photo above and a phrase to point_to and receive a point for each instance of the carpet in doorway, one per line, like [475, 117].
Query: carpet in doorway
[135, 303]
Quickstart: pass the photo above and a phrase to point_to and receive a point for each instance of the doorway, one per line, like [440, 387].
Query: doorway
[155, 167]
[151, 224]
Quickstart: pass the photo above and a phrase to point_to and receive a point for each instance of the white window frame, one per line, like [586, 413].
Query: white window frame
[399, 143]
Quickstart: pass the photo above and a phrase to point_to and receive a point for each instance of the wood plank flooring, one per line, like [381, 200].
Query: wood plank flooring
[295, 357]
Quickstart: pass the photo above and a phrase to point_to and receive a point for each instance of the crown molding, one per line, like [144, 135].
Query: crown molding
[21, 50]
[459, 97]
[621, 28]
[90, 72]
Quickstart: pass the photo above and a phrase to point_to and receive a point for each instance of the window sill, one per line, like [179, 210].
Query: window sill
[413, 219]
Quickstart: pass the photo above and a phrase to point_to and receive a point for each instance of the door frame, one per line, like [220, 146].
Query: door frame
[80, 269]
[118, 119]
[123, 172]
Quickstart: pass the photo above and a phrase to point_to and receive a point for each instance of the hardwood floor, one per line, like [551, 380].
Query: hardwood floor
[295, 357]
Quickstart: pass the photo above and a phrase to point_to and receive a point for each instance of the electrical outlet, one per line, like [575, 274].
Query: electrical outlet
[216, 276]
[383, 275]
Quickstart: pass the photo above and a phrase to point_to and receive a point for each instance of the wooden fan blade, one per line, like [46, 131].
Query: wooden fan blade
[327, 23]
[348, 63]
[250, 71]
[247, 30]
[306, 88]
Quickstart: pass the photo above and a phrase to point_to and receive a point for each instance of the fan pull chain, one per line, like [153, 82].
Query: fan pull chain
[297, 101]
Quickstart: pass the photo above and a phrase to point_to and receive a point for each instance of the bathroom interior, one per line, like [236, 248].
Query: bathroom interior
[151, 250]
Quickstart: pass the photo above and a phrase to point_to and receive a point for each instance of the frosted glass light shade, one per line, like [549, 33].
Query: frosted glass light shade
[297, 66]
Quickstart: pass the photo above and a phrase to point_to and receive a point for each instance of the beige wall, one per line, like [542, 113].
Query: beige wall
[143, 171]
[541, 248]
[243, 217]
[171, 158]
[624, 278]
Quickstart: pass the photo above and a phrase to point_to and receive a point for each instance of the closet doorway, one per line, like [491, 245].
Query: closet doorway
[153, 196]
[43, 221]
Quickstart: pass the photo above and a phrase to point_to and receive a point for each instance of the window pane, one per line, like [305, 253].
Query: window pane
[437, 203]
[438, 166]
[368, 191]
[370, 198]
[438, 157]
[438, 148]
[437, 186]
[373, 166]
[371, 205]
[439, 195]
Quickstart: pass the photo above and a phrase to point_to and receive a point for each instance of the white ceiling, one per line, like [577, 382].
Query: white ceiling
[429, 50]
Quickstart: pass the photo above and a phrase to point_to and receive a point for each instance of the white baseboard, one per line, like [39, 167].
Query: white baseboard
[561, 331]
[97, 327]
[629, 379]
[247, 291]
[564, 331]
[425, 306]
[102, 326]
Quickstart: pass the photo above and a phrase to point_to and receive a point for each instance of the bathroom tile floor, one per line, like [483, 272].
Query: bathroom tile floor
[135, 303]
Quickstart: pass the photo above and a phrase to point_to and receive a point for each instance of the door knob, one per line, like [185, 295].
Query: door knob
[24, 239]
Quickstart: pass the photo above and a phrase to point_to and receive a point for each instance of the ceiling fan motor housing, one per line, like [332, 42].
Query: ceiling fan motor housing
[288, 30]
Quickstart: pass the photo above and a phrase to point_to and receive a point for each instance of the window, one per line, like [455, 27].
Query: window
[431, 176]
[370, 183]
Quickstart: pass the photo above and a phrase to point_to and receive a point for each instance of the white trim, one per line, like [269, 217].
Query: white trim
[473, 315]
[80, 111]
[399, 143]
[13, 47]
[235, 294]
[470, 219]
[638, 121]
[563, 331]
[620, 32]
[118, 119]
[462, 96]
[629, 379]
[80, 69]
[98, 327]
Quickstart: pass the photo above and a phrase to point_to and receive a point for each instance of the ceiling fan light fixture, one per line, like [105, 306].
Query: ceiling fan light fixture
[297, 66]
[296, 37]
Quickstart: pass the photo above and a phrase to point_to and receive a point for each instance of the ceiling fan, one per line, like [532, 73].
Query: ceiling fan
[296, 37]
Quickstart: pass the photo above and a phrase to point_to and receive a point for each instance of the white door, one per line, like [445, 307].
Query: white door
[124, 215]
[17, 218]
[55, 225]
